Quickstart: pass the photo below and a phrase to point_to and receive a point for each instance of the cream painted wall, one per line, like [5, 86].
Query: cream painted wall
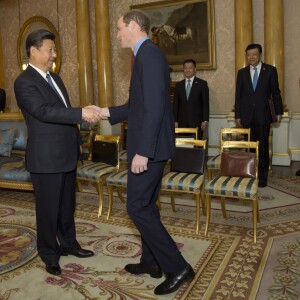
[62, 13]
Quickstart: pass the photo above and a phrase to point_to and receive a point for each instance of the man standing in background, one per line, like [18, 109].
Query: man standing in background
[256, 84]
[191, 100]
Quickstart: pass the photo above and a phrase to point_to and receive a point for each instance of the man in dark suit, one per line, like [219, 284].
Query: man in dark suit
[2, 100]
[191, 100]
[53, 148]
[255, 85]
[150, 143]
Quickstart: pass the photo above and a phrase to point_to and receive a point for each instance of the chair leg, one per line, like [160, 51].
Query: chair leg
[79, 186]
[209, 174]
[223, 207]
[110, 200]
[197, 213]
[202, 194]
[120, 195]
[173, 202]
[208, 203]
[100, 194]
[255, 210]
[258, 218]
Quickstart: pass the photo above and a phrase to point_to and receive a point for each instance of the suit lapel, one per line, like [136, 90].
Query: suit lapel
[248, 77]
[41, 81]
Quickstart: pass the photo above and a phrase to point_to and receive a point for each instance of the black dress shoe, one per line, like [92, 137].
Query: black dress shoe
[174, 281]
[78, 252]
[154, 271]
[53, 269]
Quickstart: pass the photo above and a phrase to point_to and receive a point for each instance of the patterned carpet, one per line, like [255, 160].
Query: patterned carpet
[227, 263]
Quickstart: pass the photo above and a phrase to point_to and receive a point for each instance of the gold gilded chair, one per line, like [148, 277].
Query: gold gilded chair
[214, 163]
[187, 173]
[105, 160]
[187, 132]
[238, 179]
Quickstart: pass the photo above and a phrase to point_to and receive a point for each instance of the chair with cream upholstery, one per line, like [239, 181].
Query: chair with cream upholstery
[214, 163]
[238, 179]
[105, 160]
[186, 173]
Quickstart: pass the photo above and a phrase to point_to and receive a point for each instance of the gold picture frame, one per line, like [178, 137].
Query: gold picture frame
[30, 25]
[183, 30]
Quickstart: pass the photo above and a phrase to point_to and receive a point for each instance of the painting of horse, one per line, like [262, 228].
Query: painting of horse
[183, 29]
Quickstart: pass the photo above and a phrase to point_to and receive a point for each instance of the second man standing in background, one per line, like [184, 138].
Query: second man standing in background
[191, 100]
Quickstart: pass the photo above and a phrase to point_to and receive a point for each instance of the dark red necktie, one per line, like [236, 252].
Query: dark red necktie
[132, 61]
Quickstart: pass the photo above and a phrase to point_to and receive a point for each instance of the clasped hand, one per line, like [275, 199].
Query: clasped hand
[93, 113]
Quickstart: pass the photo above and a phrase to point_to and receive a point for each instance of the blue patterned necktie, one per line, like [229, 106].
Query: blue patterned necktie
[188, 88]
[255, 78]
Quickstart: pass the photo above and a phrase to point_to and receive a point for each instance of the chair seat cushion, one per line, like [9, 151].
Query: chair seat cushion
[123, 155]
[232, 187]
[13, 169]
[119, 178]
[182, 182]
[214, 162]
[93, 170]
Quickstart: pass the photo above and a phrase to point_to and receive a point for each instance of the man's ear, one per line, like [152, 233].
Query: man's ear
[132, 25]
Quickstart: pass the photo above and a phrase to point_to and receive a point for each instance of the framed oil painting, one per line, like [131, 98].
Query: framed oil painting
[30, 25]
[183, 29]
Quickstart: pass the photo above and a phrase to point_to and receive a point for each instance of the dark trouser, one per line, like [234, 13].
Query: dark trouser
[260, 133]
[55, 207]
[157, 245]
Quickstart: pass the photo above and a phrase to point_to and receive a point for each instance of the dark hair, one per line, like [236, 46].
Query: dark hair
[190, 61]
[138, 17]
[254, 46]
[36, 38]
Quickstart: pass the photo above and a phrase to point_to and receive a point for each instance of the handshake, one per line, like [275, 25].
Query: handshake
[93, 113]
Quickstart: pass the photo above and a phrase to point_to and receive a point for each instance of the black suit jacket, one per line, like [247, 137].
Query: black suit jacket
[53, 136]
[254, 105]
[150, 130]
[195, 110]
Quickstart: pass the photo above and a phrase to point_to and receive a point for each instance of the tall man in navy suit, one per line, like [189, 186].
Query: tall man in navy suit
[191, 100]
[255, 85]
[53, 148]
[150, 143]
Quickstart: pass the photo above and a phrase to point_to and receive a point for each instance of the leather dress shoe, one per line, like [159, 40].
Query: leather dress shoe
[53, 269]
[153, 271]
[174, 281]
[78, 253]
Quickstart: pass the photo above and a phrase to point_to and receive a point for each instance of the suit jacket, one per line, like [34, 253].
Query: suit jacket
[195, 110]
[53, 136]
[254, 105]
[150, 130]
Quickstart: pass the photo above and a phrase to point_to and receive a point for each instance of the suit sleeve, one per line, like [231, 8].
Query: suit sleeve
[31, 99]
[118, 114]
[176, 103]
[155, 89]
[275, 91]
[205, 99]
[238, 90]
